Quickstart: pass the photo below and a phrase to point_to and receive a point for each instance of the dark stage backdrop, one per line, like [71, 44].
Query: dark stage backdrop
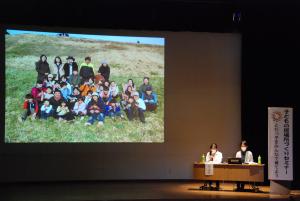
[270, 73]
[202, 106]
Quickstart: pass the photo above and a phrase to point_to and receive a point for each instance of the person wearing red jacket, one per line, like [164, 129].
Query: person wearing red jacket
[37, 92]
[30, 107]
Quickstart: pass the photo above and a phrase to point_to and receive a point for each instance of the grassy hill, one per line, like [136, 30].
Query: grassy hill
[126, 61]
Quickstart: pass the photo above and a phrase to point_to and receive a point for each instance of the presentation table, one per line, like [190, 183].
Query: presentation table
[231, 172]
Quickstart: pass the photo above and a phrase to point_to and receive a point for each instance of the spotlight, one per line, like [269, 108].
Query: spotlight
[236, 16]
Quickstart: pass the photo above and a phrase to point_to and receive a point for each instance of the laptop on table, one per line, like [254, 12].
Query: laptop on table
[234, 160]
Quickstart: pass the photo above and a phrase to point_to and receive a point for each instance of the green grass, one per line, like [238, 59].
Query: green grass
[20, 77]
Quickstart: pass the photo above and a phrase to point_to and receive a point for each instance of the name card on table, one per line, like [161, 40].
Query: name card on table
[209, 169]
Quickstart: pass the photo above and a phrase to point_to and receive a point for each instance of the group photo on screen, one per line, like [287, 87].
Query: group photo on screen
[65, 87]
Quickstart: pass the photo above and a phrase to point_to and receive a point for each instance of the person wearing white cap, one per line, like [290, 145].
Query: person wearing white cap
[140, 104]
[95, 109]
[50, 82]
[95, 94]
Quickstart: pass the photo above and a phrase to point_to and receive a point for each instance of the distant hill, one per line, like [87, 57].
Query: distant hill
[125, 59]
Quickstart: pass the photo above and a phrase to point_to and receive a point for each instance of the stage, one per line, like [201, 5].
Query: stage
[129, 190]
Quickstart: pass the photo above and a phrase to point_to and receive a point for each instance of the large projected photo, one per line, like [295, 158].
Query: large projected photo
[64, 87]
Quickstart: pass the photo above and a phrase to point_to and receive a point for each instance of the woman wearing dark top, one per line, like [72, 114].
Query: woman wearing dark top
[42, 68]
[246, 157]
[104, 70]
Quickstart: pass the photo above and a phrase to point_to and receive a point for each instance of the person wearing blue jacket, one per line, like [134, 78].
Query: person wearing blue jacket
[46, 110]
[114, 109]
[150, 99]
[65, 91]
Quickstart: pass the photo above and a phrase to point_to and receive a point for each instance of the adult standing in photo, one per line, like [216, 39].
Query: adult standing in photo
[104, 70]
[57, 68]
[70, 66]
[87, 70]
[42, 68]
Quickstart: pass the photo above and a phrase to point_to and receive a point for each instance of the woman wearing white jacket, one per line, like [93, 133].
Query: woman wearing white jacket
[57, 68]
[214, 156]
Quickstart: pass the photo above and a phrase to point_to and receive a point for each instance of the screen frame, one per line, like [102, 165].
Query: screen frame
[76, 30]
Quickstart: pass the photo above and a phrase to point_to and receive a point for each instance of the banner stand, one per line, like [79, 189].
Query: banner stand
[280, 187]
[280, 149]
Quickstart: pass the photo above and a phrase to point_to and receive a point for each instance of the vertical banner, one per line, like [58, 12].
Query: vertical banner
[280, 143]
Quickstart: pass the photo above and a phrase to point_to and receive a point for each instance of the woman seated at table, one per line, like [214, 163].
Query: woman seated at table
[246, 157]
[215, 157]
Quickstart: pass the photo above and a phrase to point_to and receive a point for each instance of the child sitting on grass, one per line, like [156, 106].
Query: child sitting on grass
[106, 84]
[30, 108]
[65, 91]
[114, 109]
[64, 79]
[72, 99]
[88, 97]
[129, 83]
[113, 89]
[130, 108]
[48, 94]
[87, 86]
[135, 107]
[75, 79]
[105, 95]
[150, 99]
[106, 98]
[46, 110]
[79, 108]
[37, 91]
[63, 112]
[96, 109]
[99, 87]
[50, 81]
[56, 86]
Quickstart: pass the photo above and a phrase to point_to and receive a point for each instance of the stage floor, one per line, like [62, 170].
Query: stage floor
[129, 190]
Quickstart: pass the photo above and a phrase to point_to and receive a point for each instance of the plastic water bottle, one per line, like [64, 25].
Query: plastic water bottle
[259, 159]
[203, 158]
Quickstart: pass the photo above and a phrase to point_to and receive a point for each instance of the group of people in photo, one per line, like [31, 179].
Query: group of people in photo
[66, 91]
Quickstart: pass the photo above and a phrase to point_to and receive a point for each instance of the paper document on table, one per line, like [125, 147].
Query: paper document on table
[209, 169]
